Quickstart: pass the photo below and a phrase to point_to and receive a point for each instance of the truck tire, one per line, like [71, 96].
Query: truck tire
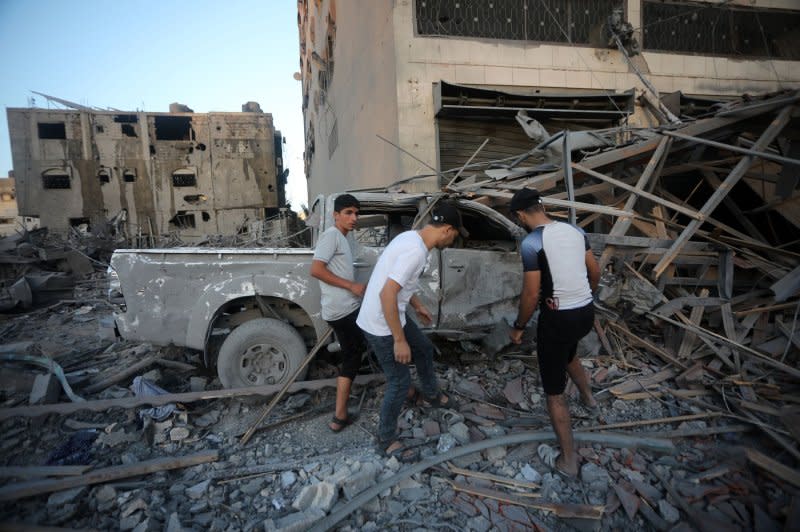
[262, 351]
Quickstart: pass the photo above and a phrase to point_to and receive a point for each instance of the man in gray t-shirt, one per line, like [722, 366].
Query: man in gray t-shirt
[341, 298]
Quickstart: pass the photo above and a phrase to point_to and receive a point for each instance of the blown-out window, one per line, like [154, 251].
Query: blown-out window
[56, 178]
[184, 177]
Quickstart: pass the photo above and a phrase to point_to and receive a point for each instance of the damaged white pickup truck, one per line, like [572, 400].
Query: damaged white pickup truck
[255, 312]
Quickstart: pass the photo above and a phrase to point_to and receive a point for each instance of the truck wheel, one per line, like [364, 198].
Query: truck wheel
[262, 351]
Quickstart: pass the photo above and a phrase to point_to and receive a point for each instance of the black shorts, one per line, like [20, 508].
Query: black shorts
[353, 344]
[558, 334]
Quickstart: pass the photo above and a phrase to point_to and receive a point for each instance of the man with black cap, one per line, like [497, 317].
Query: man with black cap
[395, 339]
[559, 273]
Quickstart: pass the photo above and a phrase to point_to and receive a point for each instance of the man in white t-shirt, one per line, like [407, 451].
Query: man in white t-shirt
[341, 297]
[396, 340]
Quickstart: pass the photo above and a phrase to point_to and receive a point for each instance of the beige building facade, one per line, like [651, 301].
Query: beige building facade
[189, 173]
[10, 222]
[436, 77]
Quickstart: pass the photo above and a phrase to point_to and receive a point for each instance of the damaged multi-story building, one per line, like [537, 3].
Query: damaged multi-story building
[151, 173]
[437, 77]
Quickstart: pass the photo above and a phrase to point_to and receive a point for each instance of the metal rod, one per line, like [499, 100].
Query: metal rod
[730, 147]
[568, 176]
[485, 142]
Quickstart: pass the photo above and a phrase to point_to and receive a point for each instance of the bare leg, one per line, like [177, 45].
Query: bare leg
[581, 380]
[342, 395]
[562, 426]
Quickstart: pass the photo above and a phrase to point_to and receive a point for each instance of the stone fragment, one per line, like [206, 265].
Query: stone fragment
[513, 391]
[321, 496]
[358, 482]
[296, 522]
[446, 443]
[133, 506]
[61, 498]
[105, 493]
[460, 432]
[178, 434]
[174, 523]
[471, 389]
[130, 522]
[198, 490]
[463, 504]
[668, 512]
[288, 478]
[478, 524]
[530, 474]
[197, 384]
[431, 428]
[630, 502]
[595, 477]
[467, 460]
[144, 526]
[46, 389]
[495, 454]
[338, 477]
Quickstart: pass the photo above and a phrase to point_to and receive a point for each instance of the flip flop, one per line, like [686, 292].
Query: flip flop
[343, 423]
[403, 454]
[450, 403]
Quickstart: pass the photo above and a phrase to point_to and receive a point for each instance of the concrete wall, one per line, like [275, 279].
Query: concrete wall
[231, 154]
[361, 100]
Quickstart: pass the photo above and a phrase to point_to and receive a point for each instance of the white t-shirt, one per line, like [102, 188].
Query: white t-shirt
[334, 249]
[402, 261]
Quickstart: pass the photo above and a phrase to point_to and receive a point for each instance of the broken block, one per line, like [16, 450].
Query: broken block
[320, 496]
[46, 390]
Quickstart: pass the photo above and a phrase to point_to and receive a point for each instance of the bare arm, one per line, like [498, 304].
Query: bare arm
[528, 299]
[421, 310]
[319, 270]
[531, 282]
[388, 295]
[593, 269]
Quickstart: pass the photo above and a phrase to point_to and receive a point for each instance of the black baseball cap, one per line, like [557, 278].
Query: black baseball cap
[524, 198]
[446, 213]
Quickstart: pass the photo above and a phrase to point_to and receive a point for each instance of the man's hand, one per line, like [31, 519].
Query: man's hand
[358, 289]
[424, 314]
[402, 352]
[516, 335]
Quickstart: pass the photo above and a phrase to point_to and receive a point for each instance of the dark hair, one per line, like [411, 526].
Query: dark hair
[344, 201]
[538, 207]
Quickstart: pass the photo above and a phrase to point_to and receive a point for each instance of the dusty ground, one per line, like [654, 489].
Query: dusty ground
[292, 473]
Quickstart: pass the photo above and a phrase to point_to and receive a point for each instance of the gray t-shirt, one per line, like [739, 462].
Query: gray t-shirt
[334, 249]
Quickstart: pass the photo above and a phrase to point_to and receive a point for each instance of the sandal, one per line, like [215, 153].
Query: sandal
[441, 401]
[415, 399]
[402, 453]
[343, 423]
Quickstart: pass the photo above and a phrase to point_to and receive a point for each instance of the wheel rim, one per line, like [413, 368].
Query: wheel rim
[263, 364]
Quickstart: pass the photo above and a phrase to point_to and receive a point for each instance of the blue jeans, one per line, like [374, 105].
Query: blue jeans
[398, 376]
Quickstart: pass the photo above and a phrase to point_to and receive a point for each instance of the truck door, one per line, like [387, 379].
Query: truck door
[481, 274]
[378, 224]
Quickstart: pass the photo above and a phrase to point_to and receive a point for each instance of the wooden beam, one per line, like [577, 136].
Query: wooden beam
[187, 397]
[736, 174]
[729, 147]
[19, 490]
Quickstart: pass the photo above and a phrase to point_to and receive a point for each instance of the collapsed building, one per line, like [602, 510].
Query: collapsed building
[437, 77]
[181, 172]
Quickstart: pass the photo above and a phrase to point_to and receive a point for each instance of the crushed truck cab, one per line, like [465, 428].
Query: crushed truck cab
[255, 312]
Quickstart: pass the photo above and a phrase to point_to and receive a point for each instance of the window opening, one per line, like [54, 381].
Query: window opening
[184, 177]
[55, 130]
[173, 127]
[55, 179]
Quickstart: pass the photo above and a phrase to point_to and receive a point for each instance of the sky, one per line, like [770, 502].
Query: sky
[145, 54]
